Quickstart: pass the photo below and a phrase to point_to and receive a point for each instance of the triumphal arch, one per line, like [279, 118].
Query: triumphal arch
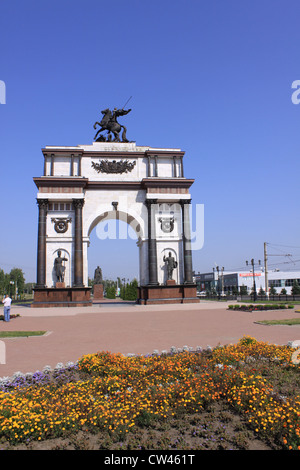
[113, 178]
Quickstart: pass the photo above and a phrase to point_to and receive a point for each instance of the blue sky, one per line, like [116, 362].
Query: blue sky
[211, 77]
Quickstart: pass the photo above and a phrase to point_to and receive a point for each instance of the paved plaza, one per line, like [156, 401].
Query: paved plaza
[130, 328]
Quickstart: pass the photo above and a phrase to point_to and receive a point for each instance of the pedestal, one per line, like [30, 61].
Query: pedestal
[98, 291]
[168, 294]
[60, 285]
[62, 297]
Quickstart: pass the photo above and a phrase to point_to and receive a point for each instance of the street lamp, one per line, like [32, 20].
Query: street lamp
[14, 283]
[218, 271]
[254, 285]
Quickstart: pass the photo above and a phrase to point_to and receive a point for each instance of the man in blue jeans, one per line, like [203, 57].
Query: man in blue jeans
[7, 303]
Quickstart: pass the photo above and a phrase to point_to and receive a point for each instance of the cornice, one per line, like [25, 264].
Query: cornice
[53, 181]
[113, 185]
[164, 153]
[56, 151]
[85, 183]
[167, 182]
[63, 151]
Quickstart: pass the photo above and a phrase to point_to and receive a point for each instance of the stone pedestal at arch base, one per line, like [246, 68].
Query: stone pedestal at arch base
[61, 296]
[98, 291]
[170, 293]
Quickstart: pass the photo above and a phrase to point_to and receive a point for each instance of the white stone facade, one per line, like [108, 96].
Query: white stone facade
[132, 175]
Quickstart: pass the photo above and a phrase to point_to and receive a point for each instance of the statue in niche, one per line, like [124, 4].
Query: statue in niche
[98, 275]
[171, 265]
[59, 267]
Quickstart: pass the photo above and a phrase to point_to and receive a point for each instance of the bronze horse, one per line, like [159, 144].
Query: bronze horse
[109, 123]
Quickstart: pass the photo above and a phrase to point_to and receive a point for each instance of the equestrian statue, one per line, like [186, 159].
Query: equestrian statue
[109, 123]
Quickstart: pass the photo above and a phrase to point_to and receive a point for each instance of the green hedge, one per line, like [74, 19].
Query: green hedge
[251, 307]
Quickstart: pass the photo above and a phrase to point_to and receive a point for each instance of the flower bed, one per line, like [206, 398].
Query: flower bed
[254, 307]
[12, 315]
[117, 394]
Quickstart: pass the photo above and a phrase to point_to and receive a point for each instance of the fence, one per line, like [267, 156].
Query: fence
[259, 298]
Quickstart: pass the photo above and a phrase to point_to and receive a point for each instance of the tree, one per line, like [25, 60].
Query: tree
[295, 288]
[273, 291]
[243, 290]
[17, 281]
[283, 291]
[28, 287]
[122, 291]
[235, 290]
[12, 283]
[261, 291]
[111, 292]
[129, 292]
[2, 282]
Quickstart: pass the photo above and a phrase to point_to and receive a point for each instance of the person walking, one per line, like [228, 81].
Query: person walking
[7, 303]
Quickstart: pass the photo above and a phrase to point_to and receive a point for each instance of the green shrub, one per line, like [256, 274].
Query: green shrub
[246, 340]
[111, 293]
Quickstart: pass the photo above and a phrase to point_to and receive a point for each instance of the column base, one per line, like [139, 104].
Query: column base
[167, 294]
[62, 297]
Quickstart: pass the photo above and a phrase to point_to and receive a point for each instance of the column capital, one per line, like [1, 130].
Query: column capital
[149, 202]
[42, 203]
[183, 202]
[78, 203]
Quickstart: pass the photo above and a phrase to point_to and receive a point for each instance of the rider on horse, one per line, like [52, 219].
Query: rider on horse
[109, 123]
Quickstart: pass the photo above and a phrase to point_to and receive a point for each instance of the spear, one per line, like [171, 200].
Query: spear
[127, 102]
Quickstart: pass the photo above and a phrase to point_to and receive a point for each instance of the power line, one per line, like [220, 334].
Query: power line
[286, 246]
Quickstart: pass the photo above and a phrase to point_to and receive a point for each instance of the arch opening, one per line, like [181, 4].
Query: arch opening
[113, 239]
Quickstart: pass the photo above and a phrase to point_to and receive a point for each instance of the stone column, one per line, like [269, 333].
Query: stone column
[181, 167]
[52, 165]
[41, 249]
[152, 252]
[149, 167]
[174, 167]
[78, 245]
[72, 165]
[155, 166]
[186, 239]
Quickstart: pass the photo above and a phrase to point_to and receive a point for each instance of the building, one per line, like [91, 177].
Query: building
[85, 185]
[232, 282]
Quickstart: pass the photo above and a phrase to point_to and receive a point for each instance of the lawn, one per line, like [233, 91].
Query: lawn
[243, 396]
[16, 334]
[287, 321]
